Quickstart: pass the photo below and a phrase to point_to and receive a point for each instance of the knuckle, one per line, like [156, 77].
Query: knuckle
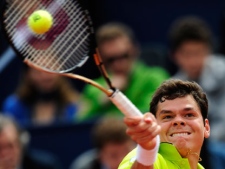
[134, 138]
[128, 132]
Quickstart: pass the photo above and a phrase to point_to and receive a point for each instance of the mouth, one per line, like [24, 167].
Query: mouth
[178, 134]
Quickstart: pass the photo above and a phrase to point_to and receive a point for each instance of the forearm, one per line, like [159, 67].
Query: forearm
[145, 131]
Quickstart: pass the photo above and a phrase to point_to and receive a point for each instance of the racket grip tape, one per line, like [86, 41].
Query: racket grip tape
[124, 104]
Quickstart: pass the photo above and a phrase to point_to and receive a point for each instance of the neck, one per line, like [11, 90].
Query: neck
[193, 158]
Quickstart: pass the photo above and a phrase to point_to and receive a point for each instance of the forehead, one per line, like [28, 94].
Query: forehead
[191, 44]
[178, 105]
[8, 134]
[118, 45]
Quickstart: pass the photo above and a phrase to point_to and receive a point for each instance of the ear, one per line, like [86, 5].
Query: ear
[207, 129]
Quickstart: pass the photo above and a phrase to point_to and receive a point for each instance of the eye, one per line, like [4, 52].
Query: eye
[189, 115]
[167, 117]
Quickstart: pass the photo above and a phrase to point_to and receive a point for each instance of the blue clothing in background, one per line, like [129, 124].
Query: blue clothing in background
[22, 113]
[216, 154]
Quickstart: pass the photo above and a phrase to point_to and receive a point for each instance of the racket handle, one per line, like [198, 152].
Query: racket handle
[124, 104]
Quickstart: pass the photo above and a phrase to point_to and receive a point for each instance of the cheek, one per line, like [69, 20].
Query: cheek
[179, 58]
[185, 63]
[16, 153]
[198, 128]
[164, 130]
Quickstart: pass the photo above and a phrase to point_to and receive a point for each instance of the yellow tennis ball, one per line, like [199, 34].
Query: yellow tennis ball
[40, 21]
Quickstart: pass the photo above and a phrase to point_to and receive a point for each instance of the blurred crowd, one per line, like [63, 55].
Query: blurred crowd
[43, 99]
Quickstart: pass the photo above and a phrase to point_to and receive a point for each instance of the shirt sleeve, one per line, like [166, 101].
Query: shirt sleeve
[129, 160]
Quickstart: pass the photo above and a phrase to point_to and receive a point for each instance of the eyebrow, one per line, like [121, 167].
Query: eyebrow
[165, 112]
[170, 111]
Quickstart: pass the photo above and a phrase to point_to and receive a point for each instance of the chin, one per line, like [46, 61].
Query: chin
[180, 142]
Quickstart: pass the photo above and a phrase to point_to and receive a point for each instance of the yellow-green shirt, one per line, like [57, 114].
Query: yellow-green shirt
[168, 158]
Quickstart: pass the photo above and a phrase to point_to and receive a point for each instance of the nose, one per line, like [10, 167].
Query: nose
[178, 121]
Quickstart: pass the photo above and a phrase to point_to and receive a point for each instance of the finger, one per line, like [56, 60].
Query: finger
[149, 133]
[144, 140]
[131, 122]
[149, 118]
[150, 144]
[148, 139]
[140, 128]
[156, 131]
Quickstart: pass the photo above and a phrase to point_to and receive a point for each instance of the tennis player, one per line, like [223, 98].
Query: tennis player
[171, 136]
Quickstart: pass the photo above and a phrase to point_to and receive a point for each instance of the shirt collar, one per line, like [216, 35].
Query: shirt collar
[169, 151]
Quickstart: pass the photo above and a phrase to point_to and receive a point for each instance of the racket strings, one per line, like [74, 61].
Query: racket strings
[58, 48]
[78, 51]
[79, 30]
[76, 26]
[12, 24]
[69, 46]
[14, 11]
[81, 40]
[66, 62]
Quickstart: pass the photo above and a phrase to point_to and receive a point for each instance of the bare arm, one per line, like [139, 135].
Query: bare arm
[143, 130]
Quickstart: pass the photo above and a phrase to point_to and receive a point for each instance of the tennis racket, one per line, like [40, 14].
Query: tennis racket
[64, 47]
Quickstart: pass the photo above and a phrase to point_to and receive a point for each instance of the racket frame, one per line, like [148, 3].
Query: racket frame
[117, 97]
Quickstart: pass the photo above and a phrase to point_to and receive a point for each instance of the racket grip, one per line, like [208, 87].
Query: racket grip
[124, 104]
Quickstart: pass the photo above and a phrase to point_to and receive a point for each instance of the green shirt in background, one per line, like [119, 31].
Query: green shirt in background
[143, 81]
[168, 158]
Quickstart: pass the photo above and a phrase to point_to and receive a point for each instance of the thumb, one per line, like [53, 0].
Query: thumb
[148, 117]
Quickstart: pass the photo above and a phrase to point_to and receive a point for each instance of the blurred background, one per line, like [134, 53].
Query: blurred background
[150, 21]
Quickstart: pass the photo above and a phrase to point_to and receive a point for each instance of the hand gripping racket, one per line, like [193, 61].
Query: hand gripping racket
[64, 47]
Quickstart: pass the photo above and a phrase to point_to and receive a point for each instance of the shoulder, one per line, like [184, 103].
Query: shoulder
[12, 102]
[86, 160]
[36, 159]
[142, 66]
[151, 74]
[128, 161]
[71, 109]
[180, 75]
[216, 62]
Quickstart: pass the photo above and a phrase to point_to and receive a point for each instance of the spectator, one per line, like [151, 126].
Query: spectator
[119, 51]
[111, 143]
[14, 153]
[41, 98]
[191, 48]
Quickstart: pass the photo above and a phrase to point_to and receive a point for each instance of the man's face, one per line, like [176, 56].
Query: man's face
[112, 153]
[182, 124]
[118, 55]
[10, 149]
[191, 56]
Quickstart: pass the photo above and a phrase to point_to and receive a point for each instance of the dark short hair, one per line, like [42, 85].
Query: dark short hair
[109, 130]
[113, 30]
[189, 28]
[175, 88]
